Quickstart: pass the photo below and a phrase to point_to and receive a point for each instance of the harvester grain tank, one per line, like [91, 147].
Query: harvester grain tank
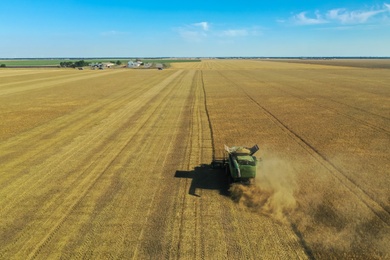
[240, 163]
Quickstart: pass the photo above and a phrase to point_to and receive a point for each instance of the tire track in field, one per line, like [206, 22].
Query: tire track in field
[354, 80]
[196, 154]
[45, 83]
[376, 207]
[91, 110]
[118, 119]
[208, 117]
[86, 188]
[181, 242]
[233, 231]
[191, 237]
[59, 130]
[69, 123]
[17, 72]
[146, 119]
[363, 122]
[105, 125]
[97, 149]
[247, 235]
[96, 134]
[138, 145]
[16, 79]
[142, 140]
[142, 248]
[205, 148]
[151, 142]
[174, 234]
[311, 82]
[368, 124]
[146, 140]
[68, 127]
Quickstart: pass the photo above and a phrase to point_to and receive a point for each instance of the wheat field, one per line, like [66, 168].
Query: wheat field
[115, 164]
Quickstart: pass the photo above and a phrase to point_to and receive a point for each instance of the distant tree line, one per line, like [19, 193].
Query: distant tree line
[71, 64]
[2, 65]
[81, 63]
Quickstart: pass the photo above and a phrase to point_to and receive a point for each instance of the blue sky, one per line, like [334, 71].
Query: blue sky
[119, 28]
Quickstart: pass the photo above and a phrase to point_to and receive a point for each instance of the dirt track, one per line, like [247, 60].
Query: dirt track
[116, 163]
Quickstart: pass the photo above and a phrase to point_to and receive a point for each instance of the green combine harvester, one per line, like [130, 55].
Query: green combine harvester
[240, 163]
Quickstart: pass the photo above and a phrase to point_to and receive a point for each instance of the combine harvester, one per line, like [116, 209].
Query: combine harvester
[240, 163]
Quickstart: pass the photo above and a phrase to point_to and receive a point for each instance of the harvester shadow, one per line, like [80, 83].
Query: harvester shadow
[207, 178]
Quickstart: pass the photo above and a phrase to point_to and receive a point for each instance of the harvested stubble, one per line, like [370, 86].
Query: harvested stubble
[90, 162]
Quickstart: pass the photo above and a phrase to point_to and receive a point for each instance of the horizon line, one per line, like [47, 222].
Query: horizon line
[201, 57]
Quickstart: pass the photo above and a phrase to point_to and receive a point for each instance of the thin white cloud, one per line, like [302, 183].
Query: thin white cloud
[203, 25]
[341, 16]
[344, 16]
[302, 19]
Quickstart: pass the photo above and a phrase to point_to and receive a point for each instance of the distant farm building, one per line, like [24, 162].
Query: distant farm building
[108, 64]
[134, 64]
[101, 65]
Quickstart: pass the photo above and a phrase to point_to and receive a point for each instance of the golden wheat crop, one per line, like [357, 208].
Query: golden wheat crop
[116, 163]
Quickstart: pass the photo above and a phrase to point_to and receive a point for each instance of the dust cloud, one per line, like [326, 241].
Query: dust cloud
[272, 192]
[329, 221]
[320, 212]
[324, 216]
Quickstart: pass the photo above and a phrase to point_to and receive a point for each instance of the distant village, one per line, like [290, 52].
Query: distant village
[93, 63]
[130, 64]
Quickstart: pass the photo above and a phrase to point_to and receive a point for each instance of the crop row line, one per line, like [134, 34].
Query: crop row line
[104, 169]
[376, 207]
[160, 164]
[375, 127]
[147, 118]
[50, 83]
[94, 136]
[58, 128]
